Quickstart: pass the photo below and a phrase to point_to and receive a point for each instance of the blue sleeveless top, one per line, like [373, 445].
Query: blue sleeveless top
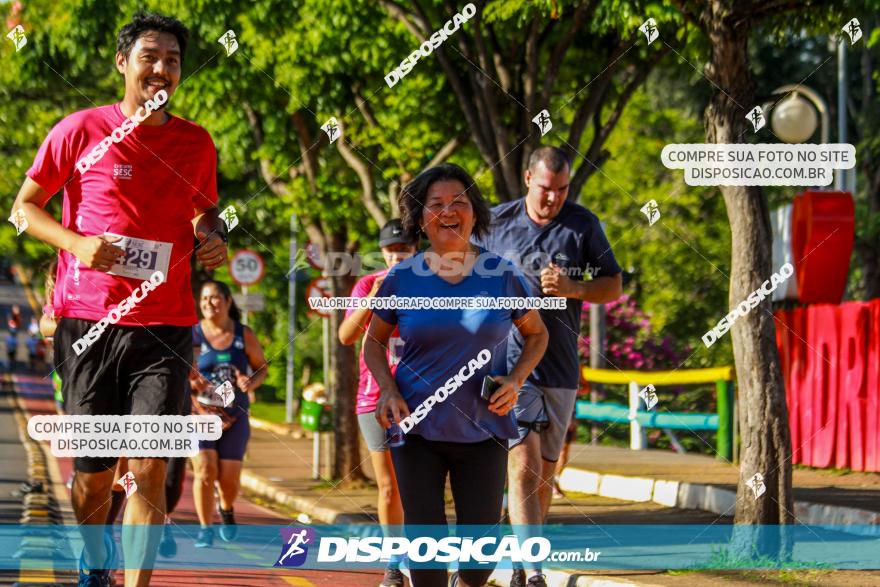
[218, 366]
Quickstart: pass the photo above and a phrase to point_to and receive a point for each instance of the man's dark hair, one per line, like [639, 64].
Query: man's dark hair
[143, 22]
[415, 194]
[553, 158]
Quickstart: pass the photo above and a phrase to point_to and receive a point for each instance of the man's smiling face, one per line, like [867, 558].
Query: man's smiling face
[153, 64]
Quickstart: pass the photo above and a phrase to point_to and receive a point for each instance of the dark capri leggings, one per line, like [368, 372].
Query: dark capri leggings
[477, 473]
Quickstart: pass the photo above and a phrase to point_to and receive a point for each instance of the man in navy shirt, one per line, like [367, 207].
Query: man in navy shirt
[556, 243]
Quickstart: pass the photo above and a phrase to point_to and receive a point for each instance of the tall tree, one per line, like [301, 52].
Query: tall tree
[763, 414]
[299, 65]
[582, 62]
[864, 125]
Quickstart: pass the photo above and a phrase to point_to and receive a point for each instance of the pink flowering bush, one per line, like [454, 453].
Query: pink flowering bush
[631, 343]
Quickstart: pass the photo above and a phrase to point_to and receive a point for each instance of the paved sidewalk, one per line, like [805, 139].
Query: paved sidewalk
[852, 489]
[607, 486]
[822, 497]
[279, 467]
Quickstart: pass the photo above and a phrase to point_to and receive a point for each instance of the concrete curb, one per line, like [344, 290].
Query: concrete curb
[710, 498]
[307, 505]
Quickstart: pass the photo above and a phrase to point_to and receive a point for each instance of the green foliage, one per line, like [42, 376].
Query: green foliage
[681, 263]
[322, 58]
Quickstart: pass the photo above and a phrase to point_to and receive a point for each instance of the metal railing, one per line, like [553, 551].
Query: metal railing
[639, 418]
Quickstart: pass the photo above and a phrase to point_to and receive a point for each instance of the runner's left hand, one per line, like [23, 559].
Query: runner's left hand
[212, 250]
[504, 398]
[243, 382]
[198, 383]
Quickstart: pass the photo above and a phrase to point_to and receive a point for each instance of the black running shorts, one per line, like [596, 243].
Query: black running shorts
[127, 370]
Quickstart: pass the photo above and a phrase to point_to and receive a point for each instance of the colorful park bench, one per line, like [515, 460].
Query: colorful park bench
[639, 418]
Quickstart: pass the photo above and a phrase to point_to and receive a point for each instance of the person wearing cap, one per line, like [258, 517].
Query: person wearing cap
[395, 248]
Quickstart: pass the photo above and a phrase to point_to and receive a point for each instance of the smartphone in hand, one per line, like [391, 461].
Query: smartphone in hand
[490, 386]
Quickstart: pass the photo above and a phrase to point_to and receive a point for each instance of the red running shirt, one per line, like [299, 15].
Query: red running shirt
[148, 186]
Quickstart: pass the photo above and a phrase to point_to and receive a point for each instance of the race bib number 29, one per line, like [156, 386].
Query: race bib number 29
[142, 258]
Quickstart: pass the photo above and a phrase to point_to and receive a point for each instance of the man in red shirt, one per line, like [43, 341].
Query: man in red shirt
[139, 183]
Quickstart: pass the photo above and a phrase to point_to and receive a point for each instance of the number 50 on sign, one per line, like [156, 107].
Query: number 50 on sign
[247, 267]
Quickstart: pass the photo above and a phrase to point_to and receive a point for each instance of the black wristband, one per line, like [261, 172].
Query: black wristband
[223, 236]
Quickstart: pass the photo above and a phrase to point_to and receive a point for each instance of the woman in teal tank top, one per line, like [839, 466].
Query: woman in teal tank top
[231, 366]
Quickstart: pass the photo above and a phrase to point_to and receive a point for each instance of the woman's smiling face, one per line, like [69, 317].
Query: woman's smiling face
[448, 217]
[213, 303]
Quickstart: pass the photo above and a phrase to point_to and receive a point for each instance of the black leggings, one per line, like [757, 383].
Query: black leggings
[477, 472]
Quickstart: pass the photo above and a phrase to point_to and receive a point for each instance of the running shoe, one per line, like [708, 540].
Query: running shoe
[518, 578]
[205, 538]
[98, 577]
[393, 578]
[168, 546]
[229, 530]
[94, 579]
[539, 580]
[557, 491]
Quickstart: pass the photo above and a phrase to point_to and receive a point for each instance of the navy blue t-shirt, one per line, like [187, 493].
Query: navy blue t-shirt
[439, 343]
[574, 241]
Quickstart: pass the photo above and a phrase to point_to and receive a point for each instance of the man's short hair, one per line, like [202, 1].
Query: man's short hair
[143, 22]
[553, 158]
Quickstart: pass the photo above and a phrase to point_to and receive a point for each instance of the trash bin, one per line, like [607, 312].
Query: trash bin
[315, 417]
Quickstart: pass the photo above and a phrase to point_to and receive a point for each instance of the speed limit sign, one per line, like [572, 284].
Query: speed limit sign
[247, 267]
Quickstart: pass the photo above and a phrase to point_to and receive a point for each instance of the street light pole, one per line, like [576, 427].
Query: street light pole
[845, 179]
[597, 358]
[291, 322]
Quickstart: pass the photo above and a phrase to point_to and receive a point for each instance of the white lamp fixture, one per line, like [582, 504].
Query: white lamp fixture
[794, 119]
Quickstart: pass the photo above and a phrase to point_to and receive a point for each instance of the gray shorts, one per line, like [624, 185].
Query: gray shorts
[550, 406]
[372, 432]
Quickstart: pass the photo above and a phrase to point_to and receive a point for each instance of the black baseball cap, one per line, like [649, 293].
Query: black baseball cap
[392, 233]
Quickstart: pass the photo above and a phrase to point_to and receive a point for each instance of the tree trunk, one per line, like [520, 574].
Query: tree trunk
[763, 413]
[868, 245]
[868, 251]
[865, 127]
[343, 381]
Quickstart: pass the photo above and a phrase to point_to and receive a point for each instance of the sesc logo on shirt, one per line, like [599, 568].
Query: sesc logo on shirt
[122, 171]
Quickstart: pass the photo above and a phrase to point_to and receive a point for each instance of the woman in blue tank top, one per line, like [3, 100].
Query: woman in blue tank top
[229, 359]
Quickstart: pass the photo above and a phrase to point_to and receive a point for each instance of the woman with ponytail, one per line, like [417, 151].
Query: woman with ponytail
[225, 351]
